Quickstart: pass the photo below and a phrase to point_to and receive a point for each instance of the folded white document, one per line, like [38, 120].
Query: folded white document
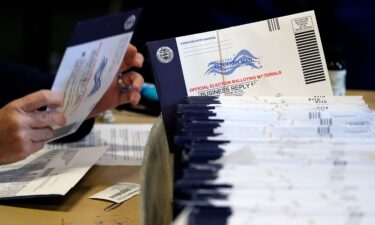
[126, 143]
[47, 172]
[118, 193]
[89, 65]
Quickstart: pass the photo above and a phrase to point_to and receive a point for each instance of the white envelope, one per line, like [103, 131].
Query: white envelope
[288, 56]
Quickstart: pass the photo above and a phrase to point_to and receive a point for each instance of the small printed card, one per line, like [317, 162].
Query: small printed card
[118, 193]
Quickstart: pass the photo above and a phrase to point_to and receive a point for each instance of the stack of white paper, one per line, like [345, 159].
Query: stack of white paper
[278, 160]
[126, 143]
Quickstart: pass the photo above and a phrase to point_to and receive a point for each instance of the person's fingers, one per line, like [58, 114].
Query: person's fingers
[41, 134]
[131, 49]
[133, 79]
[31, 142]
[132, 59]
[130, 54]
[46, 118]
[36, 146]
[134, 98]
[138, 60]
[39, 99]
[130, 97]
[23, 147]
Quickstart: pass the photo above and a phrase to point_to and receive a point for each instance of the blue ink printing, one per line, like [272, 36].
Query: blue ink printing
[228, 66]
[98, 76]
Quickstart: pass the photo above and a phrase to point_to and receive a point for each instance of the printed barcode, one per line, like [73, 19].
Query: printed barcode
[120, 192]
[323, 131]
[326, 121]
[314, 115]
[273, 24]
[309, 55]
[340, 162]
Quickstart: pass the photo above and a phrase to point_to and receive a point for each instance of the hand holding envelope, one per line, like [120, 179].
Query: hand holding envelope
[113, 97]
[87, 77]
[85, 85]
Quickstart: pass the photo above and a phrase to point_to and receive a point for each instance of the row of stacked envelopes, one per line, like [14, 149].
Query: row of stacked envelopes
[276, 161]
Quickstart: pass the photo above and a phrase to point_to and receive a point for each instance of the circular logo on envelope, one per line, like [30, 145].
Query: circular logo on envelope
[129, 23]
[164, 54]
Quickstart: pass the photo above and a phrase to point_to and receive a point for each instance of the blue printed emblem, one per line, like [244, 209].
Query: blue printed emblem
[98, 76]
[228, 66]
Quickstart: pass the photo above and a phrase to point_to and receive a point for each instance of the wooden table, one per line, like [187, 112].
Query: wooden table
[75, 208]
[369, 96]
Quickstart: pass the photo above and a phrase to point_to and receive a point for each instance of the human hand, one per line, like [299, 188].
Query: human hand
[113, 96]
[24, 129]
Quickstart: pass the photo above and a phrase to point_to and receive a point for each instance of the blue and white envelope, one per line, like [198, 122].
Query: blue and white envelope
[89, 64]
[284, 53]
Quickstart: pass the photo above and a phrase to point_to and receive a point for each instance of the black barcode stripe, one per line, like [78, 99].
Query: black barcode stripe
[273, 24]
[306, 42]
[306, 45]
[307, 37]
[312, 79]
[314, 115]
[310, 57]
[269, 25]
[277, 23]
[326, 121]
[323, 131]
[313, 72]
[316, 77]
[309, 63]
[308, 51]
[312, 65]
[310, 76]
[308, 79]
[309, 70]
[305, 33]
[316, 63]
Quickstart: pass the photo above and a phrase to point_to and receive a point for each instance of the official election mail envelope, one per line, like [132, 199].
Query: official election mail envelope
[90, 63]
[285, 53]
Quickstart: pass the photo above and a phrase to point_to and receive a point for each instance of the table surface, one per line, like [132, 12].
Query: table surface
[369, 96]
[76, 209]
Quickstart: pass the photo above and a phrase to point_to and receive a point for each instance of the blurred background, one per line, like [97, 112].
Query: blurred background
[36, 32]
